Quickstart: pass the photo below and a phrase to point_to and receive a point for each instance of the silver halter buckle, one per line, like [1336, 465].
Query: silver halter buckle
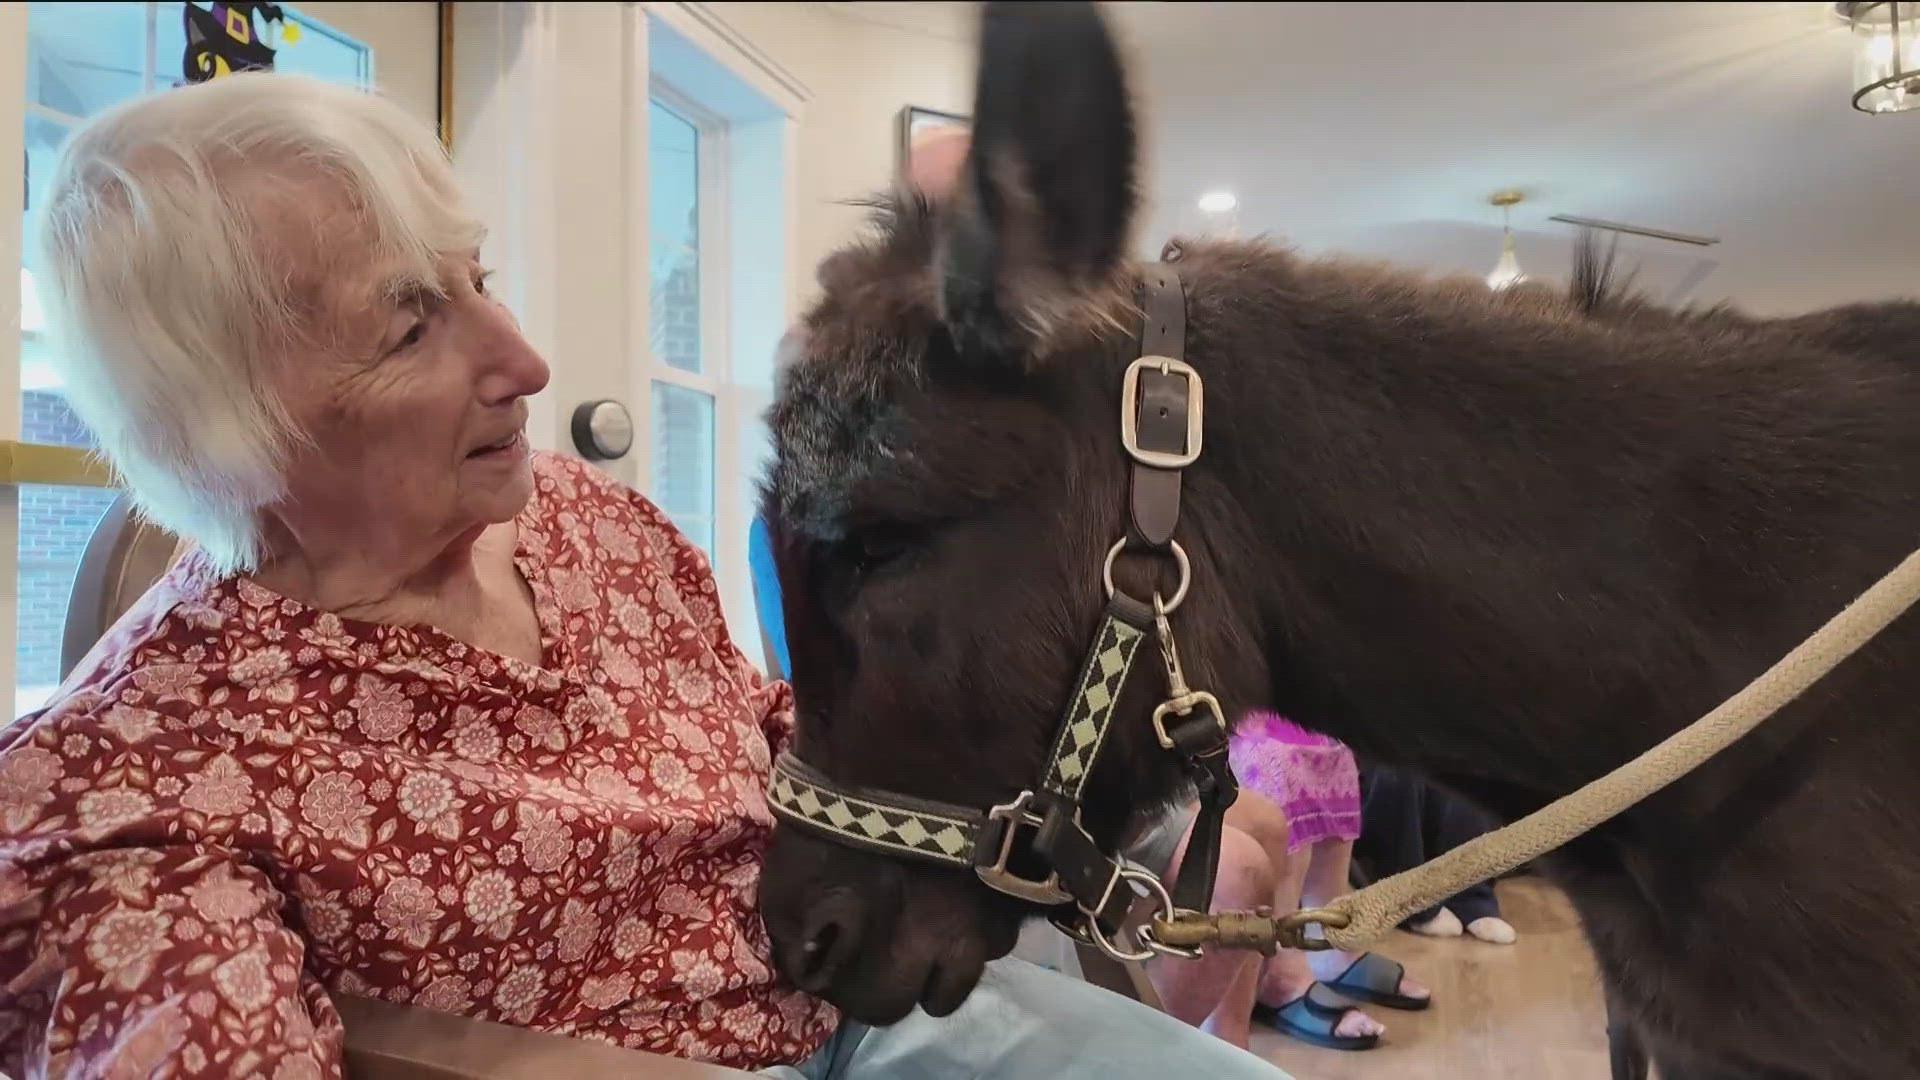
[1013, 815]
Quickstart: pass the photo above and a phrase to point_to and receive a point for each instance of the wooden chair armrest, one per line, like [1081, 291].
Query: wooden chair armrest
[398, 1042]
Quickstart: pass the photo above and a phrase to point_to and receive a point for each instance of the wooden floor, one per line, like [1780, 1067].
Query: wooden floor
[1531, 1009]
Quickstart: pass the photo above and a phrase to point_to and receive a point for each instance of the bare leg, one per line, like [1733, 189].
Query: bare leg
[1216, 991]
[1326, 873]
[1326, 879]
[1287, 975]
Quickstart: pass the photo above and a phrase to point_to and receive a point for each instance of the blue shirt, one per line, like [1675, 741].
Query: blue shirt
[766, 593]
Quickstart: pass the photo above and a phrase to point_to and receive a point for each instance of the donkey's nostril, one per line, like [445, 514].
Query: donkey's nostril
[831, 932]
[819, 947]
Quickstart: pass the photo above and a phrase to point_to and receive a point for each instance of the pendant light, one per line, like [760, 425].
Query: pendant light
[1506, 273]
[1886, 55]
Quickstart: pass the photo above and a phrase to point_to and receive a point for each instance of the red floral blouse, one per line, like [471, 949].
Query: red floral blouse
[239, 803]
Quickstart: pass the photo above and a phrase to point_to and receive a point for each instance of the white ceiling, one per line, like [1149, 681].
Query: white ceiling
[1380, 129]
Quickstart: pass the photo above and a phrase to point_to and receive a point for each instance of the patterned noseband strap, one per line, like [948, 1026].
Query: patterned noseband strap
[878, 821]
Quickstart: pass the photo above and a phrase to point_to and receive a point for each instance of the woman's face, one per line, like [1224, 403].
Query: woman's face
[415, 410]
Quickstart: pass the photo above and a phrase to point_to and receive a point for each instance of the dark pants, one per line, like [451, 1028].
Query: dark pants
[1405, 821]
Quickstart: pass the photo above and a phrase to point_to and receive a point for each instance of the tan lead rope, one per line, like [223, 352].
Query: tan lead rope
[1356, 919]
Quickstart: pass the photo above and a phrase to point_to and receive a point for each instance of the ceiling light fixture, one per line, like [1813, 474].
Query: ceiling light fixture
[1886, 55]
[1218, 202]
[1506, 273]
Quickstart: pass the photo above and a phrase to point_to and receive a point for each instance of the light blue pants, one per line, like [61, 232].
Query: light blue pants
[1024, 1022]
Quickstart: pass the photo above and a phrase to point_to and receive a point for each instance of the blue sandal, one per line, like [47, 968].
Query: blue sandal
[1312, 1018]
[1375, 980]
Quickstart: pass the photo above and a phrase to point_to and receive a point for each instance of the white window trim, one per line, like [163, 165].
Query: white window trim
[739, 382]
[710, 156]
[714, 377]
[53, 115]
[706, 29]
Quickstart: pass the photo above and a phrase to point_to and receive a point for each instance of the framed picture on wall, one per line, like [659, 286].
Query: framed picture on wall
[443, 63]
[915, 123]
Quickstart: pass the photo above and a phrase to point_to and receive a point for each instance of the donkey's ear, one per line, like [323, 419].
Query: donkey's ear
[1042, 216]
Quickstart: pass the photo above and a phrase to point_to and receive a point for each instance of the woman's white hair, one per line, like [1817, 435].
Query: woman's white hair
[176, 294]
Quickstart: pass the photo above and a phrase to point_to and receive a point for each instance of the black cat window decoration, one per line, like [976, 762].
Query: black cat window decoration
[224, 38]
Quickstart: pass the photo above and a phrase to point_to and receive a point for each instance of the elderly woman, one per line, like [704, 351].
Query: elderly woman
[423, 715]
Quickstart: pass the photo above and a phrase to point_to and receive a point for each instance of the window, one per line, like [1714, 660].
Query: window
[717, 185]
[687, 357]
[673, 170]
[82, 58]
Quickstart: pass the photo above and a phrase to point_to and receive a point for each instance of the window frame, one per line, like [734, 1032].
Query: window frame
[714, 378]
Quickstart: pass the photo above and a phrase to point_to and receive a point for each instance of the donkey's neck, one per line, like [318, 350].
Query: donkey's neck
[1515, 545]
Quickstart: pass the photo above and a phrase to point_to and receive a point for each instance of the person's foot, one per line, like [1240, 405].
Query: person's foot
[1494, 929]
[1353, 1024]
[1443, 924]
[1307, 1018]
[1287, 979]
[1336, 968]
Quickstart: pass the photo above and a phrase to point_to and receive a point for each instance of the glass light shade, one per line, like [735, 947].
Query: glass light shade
[1506, 273]
[1886, 55]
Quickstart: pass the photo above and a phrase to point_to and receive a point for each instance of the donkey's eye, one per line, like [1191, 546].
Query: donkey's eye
[871, 549]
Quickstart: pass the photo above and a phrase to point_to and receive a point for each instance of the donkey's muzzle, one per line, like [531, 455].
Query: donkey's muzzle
[876, 936]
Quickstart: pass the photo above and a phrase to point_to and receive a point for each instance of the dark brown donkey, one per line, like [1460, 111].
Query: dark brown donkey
[1495, 538]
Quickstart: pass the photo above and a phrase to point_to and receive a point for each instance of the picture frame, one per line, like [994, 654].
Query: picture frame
[914, 121]
[443, 15]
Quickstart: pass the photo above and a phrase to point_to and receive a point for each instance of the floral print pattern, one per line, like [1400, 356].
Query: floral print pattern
[1313, 778]
[240, 804]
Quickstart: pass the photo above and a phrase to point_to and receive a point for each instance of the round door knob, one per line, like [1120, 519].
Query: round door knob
[602, 430]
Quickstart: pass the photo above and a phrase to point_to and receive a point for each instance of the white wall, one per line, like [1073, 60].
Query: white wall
[538, 140]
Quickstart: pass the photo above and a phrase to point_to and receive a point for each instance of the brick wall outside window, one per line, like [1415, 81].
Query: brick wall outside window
[55, 523]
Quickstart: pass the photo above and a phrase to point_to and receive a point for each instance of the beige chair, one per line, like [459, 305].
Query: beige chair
[393, 1042]
[122, 559]
[384, 1041]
